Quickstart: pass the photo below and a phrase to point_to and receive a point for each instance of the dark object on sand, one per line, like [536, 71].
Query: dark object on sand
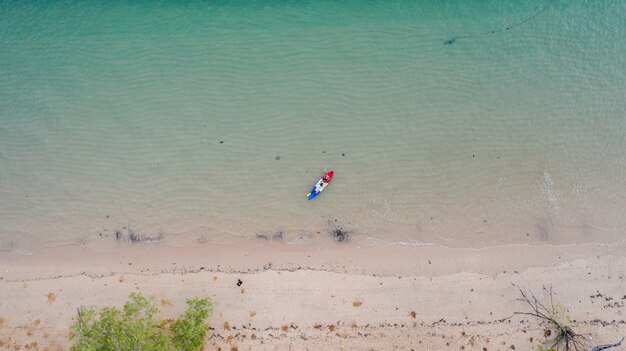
[608, 346]
[239, 282]
[277, 158]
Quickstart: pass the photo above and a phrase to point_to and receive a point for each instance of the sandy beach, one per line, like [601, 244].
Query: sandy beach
[323, 297]
[167, 148]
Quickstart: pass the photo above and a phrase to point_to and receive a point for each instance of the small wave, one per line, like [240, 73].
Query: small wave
[388, 243]
[548, 193]
[22, 252]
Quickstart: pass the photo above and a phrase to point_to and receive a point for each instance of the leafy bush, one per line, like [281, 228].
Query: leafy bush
[135, 329]
[189, 332]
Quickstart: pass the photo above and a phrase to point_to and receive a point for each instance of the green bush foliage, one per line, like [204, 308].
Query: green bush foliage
[189, 331]
[135, 329]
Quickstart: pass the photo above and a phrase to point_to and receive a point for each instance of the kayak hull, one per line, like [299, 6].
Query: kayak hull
[321, 185]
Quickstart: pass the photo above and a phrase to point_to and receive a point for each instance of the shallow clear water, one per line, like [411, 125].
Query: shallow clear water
[169, 118]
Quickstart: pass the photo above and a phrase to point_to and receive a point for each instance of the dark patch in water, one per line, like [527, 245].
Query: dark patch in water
[277, 235]
[8, 245]
[340, 235]
[136, 238]
[544, 227]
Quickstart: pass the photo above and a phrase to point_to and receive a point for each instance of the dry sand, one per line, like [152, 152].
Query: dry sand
[323, 297]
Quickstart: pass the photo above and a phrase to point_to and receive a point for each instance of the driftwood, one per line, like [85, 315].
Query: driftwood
[607, 346]
[565, 336]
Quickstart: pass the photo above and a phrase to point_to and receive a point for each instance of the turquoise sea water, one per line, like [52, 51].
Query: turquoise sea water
[210, 121]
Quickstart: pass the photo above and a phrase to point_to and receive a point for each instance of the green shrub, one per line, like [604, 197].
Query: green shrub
[135, 329]
[189, 331]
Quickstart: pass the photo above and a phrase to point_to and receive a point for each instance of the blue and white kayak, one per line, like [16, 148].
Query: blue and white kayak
[321, 185]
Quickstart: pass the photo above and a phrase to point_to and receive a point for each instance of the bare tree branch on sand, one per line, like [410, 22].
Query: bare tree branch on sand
[565, 338]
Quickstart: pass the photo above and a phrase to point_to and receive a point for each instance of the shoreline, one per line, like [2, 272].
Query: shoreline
[247, 258]
[323, 297]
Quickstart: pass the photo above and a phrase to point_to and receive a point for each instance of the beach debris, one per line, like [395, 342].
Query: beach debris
[277, 157]
[221, 141]
[239, 282]
[442, 320]
[607, 346]
[252, 313]
[343, 154]
[51, 297]
[413, 314]
[357, 303]
[553, 315]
